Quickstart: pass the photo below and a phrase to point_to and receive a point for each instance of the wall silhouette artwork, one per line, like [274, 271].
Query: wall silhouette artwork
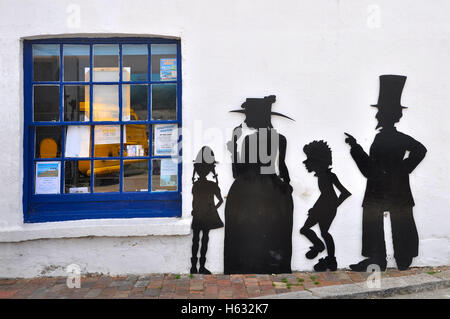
[324, 210]
[204, 209]
[387, 172]
[259, 207]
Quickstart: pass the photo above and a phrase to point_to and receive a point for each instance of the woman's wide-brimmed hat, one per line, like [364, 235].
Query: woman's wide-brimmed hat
[391, 88]
[260, 105]
[205, 156]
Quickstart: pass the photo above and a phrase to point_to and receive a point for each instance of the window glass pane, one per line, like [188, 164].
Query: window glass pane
[106, 58]
[164, 62]
[78, 141]
[135, 176]
[106, 103]
[135, 140]
[164, 102]
[107, 141]
[134, 102]
[48, 141]
[46, 103]
[76, 62]
[106, 176]
[76, 103]
[134, 62]
[46, 62]
[164, 175]
[76, 179]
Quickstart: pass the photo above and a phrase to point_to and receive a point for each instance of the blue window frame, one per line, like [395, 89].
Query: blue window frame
[100, 115]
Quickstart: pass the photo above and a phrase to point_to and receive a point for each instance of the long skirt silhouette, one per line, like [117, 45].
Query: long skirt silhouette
[258, 226]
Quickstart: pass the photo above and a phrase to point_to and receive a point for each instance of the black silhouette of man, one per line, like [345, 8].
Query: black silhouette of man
[387, 171]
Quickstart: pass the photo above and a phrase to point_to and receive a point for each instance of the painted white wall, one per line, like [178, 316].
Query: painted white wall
[321, 58]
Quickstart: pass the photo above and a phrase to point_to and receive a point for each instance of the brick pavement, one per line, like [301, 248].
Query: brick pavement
[172, 286]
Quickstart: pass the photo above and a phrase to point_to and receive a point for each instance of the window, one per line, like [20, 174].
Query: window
[102, 118]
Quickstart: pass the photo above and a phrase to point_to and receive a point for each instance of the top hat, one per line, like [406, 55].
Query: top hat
[260, 106]
[205, 156]
[391, 88]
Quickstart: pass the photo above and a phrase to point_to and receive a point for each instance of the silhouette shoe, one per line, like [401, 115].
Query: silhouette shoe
[314, 251]
[194, 265]
[326, 263]
[362, 265]
[403, 263]
[202, 269]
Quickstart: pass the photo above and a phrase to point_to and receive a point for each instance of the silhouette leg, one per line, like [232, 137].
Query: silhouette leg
[329, 242]
[373, 245]
[404, 236]
[328, 262]
[195, 244]
[203, 250]
[318, 245]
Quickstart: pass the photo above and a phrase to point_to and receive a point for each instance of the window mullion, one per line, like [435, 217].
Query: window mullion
[91, 112]
[61, 117]
[122, 127]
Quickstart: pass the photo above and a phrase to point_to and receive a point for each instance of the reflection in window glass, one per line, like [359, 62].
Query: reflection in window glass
[46, 62]
[164, 102]
[136, 142]
[135, 176]
[46, 103]
[135, 61]
[107, 141]
[134, 102]
[106, 176]
[164, 174]
[78, 141]
[164, 62]
[106, 103]
[48, 141]
[76, 179]
[106, 57]
[76, 62]
[76, 103]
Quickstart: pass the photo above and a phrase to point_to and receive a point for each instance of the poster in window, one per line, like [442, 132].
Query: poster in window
[48, 178]
[166, 138]
[108, 134]
[168, 69]
[169, 172]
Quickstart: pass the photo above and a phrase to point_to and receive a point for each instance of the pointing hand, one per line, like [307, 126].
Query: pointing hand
[350, 140]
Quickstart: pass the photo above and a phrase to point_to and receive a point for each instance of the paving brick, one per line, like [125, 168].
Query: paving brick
[93, 293]
[5, 294]
[153, 292]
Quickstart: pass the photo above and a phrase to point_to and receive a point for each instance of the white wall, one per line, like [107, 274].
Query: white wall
[321, 58]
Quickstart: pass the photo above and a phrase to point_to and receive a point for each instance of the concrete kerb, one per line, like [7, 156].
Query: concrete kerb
[388, 287]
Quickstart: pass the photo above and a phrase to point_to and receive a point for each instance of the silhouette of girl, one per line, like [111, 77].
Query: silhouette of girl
[204, 209]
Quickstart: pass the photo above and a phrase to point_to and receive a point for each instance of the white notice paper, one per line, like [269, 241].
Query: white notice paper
[47, 178]
[169, 172]
[166, 138]
[77, 141]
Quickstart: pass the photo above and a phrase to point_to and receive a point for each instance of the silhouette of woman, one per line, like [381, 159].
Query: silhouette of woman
[204, 209]
[259, 207]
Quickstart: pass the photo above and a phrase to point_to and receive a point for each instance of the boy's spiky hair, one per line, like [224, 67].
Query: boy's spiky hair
[318, 150]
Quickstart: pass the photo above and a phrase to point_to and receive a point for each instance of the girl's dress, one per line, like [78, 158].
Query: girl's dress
[258, 217]
[204, 212]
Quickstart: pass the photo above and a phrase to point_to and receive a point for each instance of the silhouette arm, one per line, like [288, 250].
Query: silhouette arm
[416, 154]
[284, 173]
[232, 148]
[344, 193]
[362, 160]
[219, 197]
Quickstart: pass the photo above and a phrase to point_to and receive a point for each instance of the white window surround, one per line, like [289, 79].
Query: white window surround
[133, 227]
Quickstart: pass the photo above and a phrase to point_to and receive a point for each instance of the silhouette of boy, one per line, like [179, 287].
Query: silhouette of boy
[324, 210]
